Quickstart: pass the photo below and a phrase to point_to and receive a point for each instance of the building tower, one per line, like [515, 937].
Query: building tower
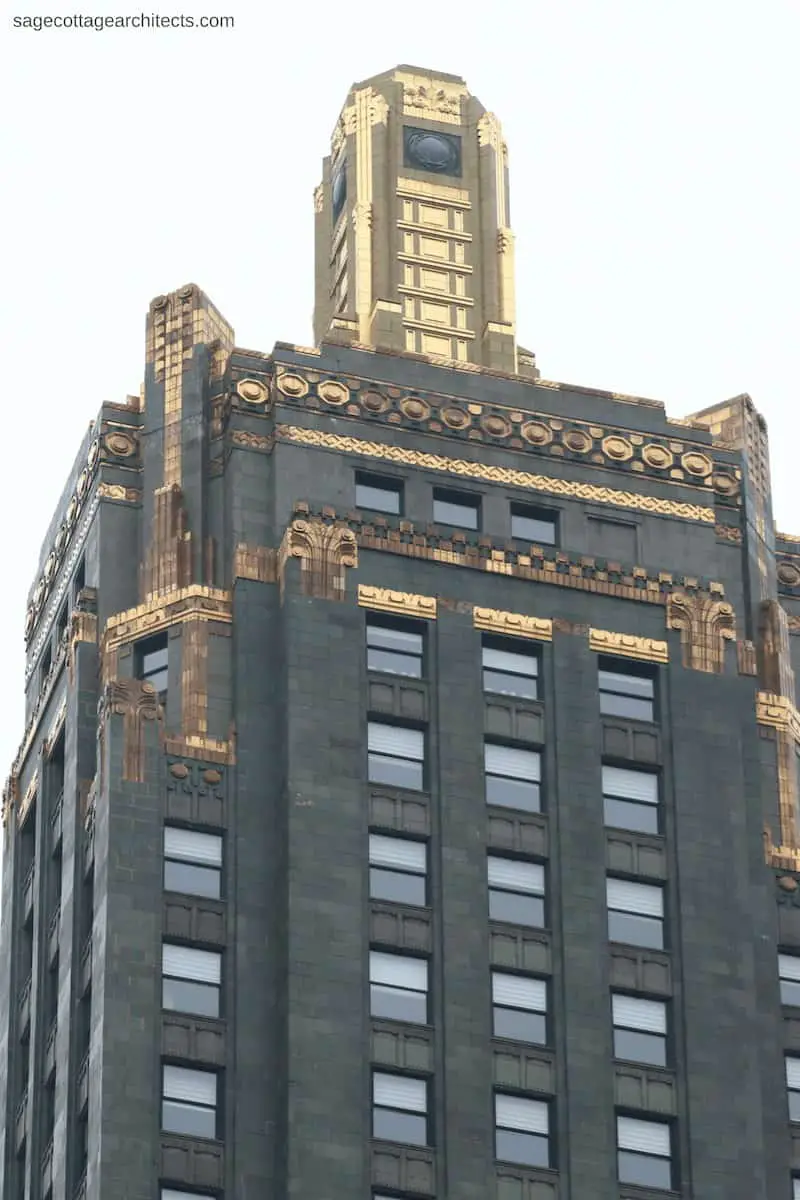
[407, 804]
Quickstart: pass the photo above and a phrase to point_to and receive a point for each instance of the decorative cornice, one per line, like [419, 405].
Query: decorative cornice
[195, 603]
[464, 469]
[627, 645]
[27, 799]
[778, 712]
[511, 624]
[405, 604]
[206, 749]
[36, 609]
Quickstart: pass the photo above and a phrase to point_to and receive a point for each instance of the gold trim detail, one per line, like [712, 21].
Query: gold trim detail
[405, 604]
[778, 712]
[252, 441]
[195, 603]
[324, 551]
[255, 562]
[628, 645]
[115, 491]
[136, 701]
[204, 748]
[705, 624]
[511, 624]
[194, 678]
[27, 799]
[56, 726]
[548, 485]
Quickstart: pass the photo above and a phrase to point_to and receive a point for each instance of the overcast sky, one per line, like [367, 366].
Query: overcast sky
[655, 198]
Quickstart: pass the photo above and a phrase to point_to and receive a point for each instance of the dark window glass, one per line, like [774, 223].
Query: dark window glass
[184, 995]
[152, 662]
[456, 508]
[190, 1119]
[635, 930]
[789, 971]
[635, 1046]
[187, 877]
[516, 908]
[534, 525]
[646, 1170]
[624, 694]
[400, 887]
[379, 494]
[394, 649]
[628, 814]
[790, 992]
[395, 756]
[519, 1025]
[394, 1126]
[794, 1106]
[396, 772]
[529, 1149]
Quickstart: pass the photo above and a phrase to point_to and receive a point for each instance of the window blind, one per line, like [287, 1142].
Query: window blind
[625, 784]
[401, 640]
[193, 1087]
[518, 992]
[190, 846]
[793, 1073]
[517, 876]
[399, 1091]
[789, 966]
[646, 1137]
[396, 852]
[398, 971]
[639, 898]
[633, 1013]
[506, 660]
[513, 1112]
[516, 764]
[395, 740]
[184, 962]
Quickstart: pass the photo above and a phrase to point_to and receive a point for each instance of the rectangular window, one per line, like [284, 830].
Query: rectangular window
[151, 661]
[640, 1029]
[380, 494]
[614, 540]
[397, 870]
[191, 980]
[189, 1102]
[456, 508]
[396, 755]
[625, 692]
[789, 970]
[644, 1153]
[398, 987]
[192, 862]
[793, 1086]
[519, 1008]
[796, 1189]
[516, 891]
[509, 669]
[522, 1130]
[394, 649]
[512, 777]
[178, 1194]
[537, 525]
[400, 1108]
[630, 799]
[635, 913]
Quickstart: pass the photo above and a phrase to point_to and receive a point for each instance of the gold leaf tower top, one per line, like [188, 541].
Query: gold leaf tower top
[414, 252]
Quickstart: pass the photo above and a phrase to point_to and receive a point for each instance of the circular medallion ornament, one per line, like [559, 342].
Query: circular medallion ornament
[61, 538]
[618, 448]
[292, 385]
[212, 776]
[788, 883]
[536, 433]
[456, 418]
[50, 566]
[374, 402]
[72, 511]
[432, 151]
[577, 441]
[333, 392]
[179, 770]
[252, 391]
[697, 464]
[121, 445]
[496, 426]
[94, 450]
[789, 574]
[83, 480]
[725, 484]
[38, 595]
[415, 409]
[657, 456]
[30, 617]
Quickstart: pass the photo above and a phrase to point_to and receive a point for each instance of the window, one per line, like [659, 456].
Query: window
[189, 1102]
[63, 621]
[519, 1008]
[512, 777]
[192, 862]
[789, 970]
[396, 755]
[80, 579]
[508, 672]
[612, 540]
[644, 1153]
[516, 891]
[398, 987]
[400, 1108]
[46, 664]
[379, 494]
[152, 662]
[640, 1029]
[535, 525]
[793, 1085]
[175, 1194]
[191, 980]
[635, 913]
[397, 870]
[630, 799]
[394, 649]
[796, 1189]
[522, 1130]
[625, 693]
[456, 508]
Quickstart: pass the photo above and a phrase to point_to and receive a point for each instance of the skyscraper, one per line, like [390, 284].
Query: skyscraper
[407, 805]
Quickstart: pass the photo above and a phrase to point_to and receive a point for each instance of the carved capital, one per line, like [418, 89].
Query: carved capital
[324, 550]
[705, 624]
[136, 701]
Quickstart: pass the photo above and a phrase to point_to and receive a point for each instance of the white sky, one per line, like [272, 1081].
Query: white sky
[655, 193]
